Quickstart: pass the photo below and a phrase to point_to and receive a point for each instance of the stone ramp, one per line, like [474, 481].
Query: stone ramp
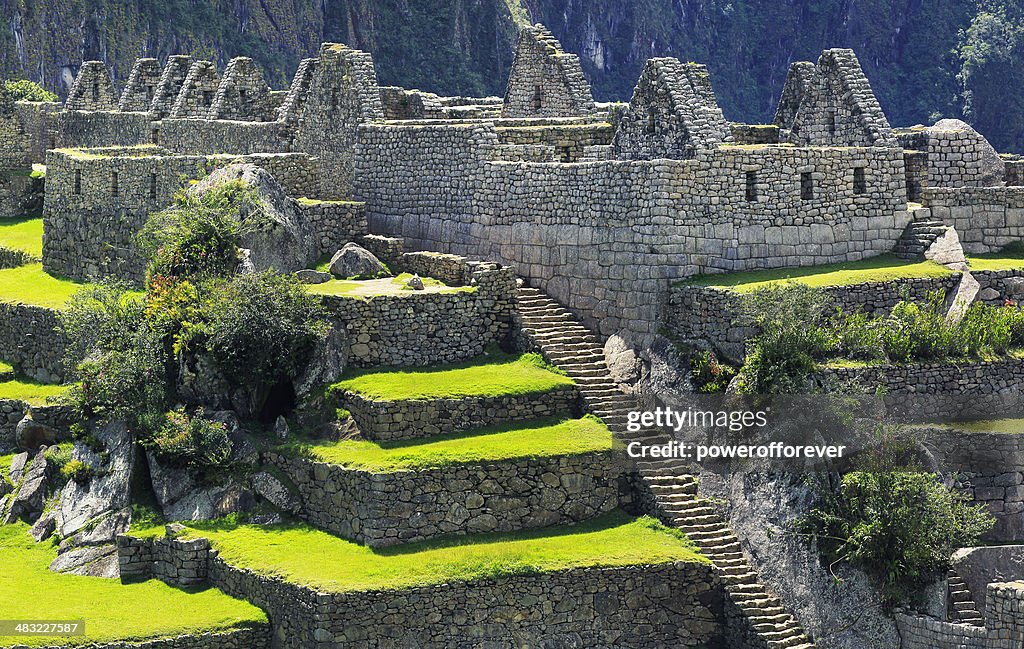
[564, 341]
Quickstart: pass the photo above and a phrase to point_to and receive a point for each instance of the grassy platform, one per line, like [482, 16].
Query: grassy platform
[364, 288]
[1006, 426]
[504, 376]
[305, 555]
[32, 393]
[877, 269]
[25, 235]
[31, 285]
[996, 261]
[111, 611]
[538, 439]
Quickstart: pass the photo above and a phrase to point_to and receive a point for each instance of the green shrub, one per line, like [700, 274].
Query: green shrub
[191, 440]
[59, 455]
[261, 327]
[76, 470]
[709, 374]
[25, 90]
[893, 520]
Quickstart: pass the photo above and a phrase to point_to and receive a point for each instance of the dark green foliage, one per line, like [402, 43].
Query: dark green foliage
[24, 90]
[261, 327]
[892, 520]
[191, 440]
[709, 373]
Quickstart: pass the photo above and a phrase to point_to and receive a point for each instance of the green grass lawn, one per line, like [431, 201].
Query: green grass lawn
[31, 285]
[537, 439]
[504, 376]
[305, 555]
[996, 261]
[111, 611]
[1008, 426]
[877, 269]
[6, 371]
[23, 234]
[32, 393]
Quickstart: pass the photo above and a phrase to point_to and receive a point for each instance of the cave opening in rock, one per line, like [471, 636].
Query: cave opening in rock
[280, 401]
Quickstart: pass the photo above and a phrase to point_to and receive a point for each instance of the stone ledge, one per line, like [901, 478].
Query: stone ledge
[256, 638]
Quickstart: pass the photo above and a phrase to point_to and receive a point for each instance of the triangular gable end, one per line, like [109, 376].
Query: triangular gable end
[92, 89]
[169, 86]
[140, 90]
[545, 81]
[195, 99]
[243, 93]
[799, 79]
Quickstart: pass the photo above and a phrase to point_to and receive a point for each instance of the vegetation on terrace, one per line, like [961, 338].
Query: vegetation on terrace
[884, 268]
[1010, 426]
[305, 555]
[521, 440]
[25, 235]
[32, 393]
[491, 376]
[33, 286]
[31, 591]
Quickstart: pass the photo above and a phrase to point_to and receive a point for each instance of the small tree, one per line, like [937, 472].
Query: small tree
[25, 90]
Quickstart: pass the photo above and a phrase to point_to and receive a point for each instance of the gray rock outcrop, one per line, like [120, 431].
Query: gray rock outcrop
[355, 262]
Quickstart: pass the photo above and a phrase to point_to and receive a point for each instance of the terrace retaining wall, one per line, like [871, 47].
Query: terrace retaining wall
[31, 341]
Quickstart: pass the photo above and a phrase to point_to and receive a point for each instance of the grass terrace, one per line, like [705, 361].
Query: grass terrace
[302, 554]
[501, 375]
[997, 261]
[112, 611]
[6, 371]
[516, 441]
[877, 269]
[33, 286]
[1006, 426]
[25, 235]
[364, 288]
[35, 394]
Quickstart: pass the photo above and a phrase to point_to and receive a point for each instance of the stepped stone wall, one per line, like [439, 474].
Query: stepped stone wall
[955, 155]
[31, 341]
[606, 238]
[544, 80]
[980, 566]
[1002, 630]
[986, 218]
[97, 200]
[675, 604]
[385, 509]
[388, 421]
[92, 89]
[673, 114]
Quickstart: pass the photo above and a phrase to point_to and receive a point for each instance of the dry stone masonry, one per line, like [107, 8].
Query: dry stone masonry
[545, 81]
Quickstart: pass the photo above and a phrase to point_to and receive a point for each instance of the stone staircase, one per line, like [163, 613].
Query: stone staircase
[564, 341]
[962, 608]
[918, 236]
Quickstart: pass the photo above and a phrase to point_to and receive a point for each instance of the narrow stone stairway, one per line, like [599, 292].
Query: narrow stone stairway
[963, 609]
[918, 236]
[564, 341]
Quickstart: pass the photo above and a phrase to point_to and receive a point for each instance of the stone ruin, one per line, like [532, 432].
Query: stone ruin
[545, 81]
[93, 89]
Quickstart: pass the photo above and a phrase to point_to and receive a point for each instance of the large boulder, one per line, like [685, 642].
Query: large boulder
[183, 497]
[326, 364]
[272, 232]
[31, 434]
[31, 482]
[356, 262]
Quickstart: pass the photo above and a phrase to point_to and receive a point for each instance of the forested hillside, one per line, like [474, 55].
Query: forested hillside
[925, 58]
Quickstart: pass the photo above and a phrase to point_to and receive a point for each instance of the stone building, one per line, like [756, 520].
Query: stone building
[545, 81]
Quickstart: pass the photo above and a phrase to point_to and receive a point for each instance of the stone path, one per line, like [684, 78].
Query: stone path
[963, 609]
[564, 341]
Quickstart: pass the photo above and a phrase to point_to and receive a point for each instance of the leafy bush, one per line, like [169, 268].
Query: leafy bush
[261, 327]
[198, 236]
[710, 374]
[192, 441]
[76, 470]
[25, 90]
[891, 519]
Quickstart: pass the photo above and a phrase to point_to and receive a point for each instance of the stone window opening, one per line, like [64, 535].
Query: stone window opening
[150, 93]
[806, 186]
[78, 182]
[652, 123]
[114, 189]
[53, 141]
[538, 98]
[155, 139]
[96, 91]
[831, 121]
[152, 186]
[242, 93]
[860, 184]
[565, 153]
[207, 98]
[751, 186]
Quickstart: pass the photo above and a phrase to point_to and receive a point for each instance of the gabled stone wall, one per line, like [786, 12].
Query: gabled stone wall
[798, 83]
[242, 93]
[92, 89]
[140, 89]
[195, 99]
[545, 81]
[167, 90]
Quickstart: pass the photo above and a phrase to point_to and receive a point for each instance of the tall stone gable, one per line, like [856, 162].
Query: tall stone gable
[140, 90]
[195, 99]
[839, 108]
[291, 109]
[673, 114]
[545, 81]
[798, 80]
[169, 86]
[92, 89]
[342, 93]
[243, 92]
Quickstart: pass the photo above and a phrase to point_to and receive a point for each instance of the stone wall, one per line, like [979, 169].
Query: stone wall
[203, 137]
[13, 139]
[38, 120]
[606, 238]
[180, 563]
[544, 80]
[97, 200]
[257, 638]
[195, 98]
[981, 566]
[384, 509]
[101, 129]
[1003, 628]
[140, 88]
[92, 89]
[986, 218]
[11, 412]
[415, 418]
[242, 93]
[423, 329]
[20, 194]
[31, 342]
[675, 604]
[329, 225]
[798, 83]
